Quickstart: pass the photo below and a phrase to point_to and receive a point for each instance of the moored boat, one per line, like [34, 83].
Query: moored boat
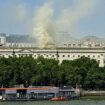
[36, 93]
[58, 99]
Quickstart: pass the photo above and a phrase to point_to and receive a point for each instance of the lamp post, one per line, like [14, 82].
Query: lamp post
[57, 54]
[13, 52]
[14, 44]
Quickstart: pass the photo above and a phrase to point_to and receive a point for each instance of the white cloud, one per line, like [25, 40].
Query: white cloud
[69, 17]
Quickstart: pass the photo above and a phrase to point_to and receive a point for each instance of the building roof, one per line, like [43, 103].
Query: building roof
[20, 39]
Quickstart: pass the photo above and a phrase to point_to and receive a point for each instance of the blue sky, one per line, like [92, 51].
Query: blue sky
[16, 16]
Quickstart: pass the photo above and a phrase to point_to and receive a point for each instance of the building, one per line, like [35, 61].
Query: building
[67, 52]
[37, 93]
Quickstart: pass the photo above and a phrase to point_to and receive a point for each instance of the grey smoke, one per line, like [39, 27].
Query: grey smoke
[44, 26]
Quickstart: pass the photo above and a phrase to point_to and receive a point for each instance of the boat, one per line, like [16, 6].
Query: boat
[37, 93]
[58, 99]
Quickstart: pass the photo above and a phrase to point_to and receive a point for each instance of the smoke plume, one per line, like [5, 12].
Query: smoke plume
[43, 25]
[66, 20]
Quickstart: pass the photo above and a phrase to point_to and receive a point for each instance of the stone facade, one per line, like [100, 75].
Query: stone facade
[59, 53]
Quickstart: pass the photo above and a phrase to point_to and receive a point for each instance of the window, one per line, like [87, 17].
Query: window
[58, 56]
[93, 56]
[89, 56]
[30, 54]
[74, 44]
[38, 54]
[98, 56]
[52, 55]
[63, 55]
[69, 45]
[78, 55]
[46, 55]
[68, 55]
[101, 54]
[79, 44]
[98, 61]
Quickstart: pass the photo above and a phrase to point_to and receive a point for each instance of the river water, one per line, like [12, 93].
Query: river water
[73, 102]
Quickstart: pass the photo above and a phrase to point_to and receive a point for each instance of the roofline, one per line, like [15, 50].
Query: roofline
[41, 88]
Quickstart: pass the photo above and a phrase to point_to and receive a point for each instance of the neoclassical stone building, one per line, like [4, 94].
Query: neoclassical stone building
[60, 53]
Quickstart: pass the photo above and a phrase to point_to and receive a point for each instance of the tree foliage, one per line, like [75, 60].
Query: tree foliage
[42, 71]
